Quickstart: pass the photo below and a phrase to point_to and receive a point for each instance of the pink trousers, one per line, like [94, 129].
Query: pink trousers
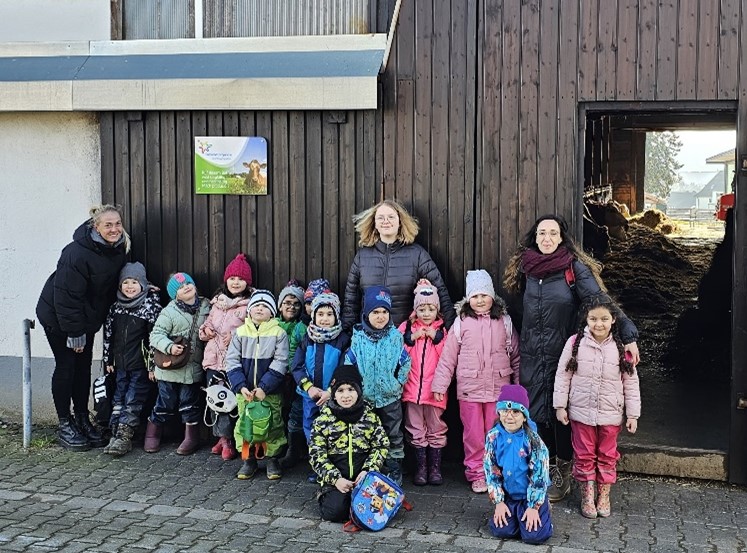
[424, 424]
[477, 419]
[595, 452]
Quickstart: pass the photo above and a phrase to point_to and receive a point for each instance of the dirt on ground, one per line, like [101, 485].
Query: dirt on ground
[656, 280]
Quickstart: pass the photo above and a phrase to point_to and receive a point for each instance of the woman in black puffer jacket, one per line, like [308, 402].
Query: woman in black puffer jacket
[553, 276]
[72, 307]
[389, 257]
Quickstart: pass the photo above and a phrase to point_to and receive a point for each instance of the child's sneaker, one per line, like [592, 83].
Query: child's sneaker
[248, 469]
[273, 469]
[479, 486]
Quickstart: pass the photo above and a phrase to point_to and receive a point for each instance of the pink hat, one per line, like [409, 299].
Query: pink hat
[239, 267]
[426, 293]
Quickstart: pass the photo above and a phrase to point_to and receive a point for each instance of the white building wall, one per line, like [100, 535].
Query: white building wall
[54, 20]
[51, 177]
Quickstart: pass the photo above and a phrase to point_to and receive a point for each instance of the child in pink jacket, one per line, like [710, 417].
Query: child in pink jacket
[596, 384]
[483, 348]
[227, 313]
[424, 335]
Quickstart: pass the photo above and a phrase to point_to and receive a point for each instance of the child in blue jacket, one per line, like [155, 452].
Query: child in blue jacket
[517, 469]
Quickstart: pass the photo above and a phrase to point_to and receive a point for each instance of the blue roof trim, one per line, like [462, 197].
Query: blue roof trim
[234, 65]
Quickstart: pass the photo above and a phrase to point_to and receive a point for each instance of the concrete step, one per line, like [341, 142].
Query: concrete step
[659, 460]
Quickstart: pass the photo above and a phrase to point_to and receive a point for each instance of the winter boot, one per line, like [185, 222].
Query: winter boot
[248, 469]
[217, 449]
[191, 441]
[70, 437]
[561, 480]
[108, 446]
[434, 466]
[274, 472]
[394, 470]
[229, 451]
[92, 434]
[152, 443]
[421, 472]
[588, 509]
[122, 441]
[296, 446]
[603, 501]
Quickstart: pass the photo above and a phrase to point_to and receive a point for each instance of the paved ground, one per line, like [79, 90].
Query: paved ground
[54, 500]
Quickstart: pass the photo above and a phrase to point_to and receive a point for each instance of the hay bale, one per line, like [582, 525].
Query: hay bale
[668, 228]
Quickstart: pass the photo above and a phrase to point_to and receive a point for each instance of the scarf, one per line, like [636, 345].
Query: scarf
[375, 334]
[539, 265]
[323, 334]
[350, 415]
[191, 309]
[131, 303]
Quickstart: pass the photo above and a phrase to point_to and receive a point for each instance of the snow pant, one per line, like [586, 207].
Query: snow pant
[174, 398]
[334, 505]
[477, 419]
[391, 420]
[130, 395]
[595, 448]
[517, 529]
[425, 426]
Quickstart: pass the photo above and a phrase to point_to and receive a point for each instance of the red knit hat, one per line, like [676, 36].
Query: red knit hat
[239, 267]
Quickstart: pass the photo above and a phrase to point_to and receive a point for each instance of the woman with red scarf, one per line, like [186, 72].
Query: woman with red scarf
[554, 276]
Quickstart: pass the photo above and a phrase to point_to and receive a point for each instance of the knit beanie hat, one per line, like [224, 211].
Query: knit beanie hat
[134, 271]
[239, 267]
[176, 281]
[326, 298]
[426, 293]
[315, 288]
[513, 396]
[375, 297]
[263, 297]
[347, 374]
[479, 282]
[291, 289]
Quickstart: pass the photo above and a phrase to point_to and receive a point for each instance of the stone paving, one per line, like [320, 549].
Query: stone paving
[52, 500]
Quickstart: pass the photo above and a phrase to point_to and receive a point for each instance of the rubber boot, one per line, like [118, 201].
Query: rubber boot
[191, 441]
[248, 469]
[394, 470]
[588, 509]
[108, 446]
[434, 466]
[217, 449]
[296, 446]
[122, 441]
[70, 437]
[152, 442]
[421, 471]
[229, 451]
[603, 501]
[561, 480]
[92, 434]
[274, 472]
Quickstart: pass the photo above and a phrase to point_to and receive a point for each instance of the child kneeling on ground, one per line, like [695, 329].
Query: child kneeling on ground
[347, 441]
[517, 471]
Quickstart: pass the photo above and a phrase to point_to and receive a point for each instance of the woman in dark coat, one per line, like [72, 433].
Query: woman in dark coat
[72, 307]
[389, 257]
[554, 276]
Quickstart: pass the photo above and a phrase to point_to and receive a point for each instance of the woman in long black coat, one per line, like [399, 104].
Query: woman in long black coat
[390, 257]
[553, 276]
[72, 307]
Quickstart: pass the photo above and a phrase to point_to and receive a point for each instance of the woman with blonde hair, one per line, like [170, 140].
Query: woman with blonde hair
[72, 307]
[388, 256]
[554, 276]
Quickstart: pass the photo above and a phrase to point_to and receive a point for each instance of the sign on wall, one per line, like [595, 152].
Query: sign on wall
[230, 165]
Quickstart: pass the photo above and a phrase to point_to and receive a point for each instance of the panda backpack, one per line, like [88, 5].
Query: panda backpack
[374, 502]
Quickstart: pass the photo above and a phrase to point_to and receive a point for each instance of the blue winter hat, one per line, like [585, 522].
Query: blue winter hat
[375, 297]
[176, 281]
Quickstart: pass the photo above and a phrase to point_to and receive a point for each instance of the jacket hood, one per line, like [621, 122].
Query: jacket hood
[459, 306]
[82, 235]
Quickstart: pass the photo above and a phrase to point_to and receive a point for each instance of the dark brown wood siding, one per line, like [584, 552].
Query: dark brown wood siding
[478, 133]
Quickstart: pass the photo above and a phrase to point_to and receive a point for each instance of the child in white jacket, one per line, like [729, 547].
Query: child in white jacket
[595, 385]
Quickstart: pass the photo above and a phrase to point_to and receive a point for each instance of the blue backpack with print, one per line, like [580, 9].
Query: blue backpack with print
[374, 502]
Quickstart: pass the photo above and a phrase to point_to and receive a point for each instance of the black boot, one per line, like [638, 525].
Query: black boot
[296, 446]
[394, 470]
[70, 437]
[92, 434]
[421, 472]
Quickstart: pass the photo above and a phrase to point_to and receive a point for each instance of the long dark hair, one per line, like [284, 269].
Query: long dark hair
[605, 303]
[513, 278]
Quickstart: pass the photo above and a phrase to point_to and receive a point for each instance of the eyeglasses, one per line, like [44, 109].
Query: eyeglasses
[382, 218]
[512, 412]
[291, 304]
[552, 234]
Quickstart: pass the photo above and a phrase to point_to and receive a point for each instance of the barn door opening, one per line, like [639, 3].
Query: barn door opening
[667, 259]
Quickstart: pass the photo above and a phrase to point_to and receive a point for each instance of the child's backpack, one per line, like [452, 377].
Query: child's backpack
[456, 329]
[253, 427]
[374, 502]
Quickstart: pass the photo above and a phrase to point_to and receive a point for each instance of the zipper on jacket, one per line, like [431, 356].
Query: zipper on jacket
[386, 267]
[256, 362]
[422, 364]
[350, 453]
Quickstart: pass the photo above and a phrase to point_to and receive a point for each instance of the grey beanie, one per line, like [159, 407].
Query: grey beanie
[135, 271]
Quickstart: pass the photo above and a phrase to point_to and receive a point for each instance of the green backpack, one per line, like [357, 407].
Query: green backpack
[253, 426]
